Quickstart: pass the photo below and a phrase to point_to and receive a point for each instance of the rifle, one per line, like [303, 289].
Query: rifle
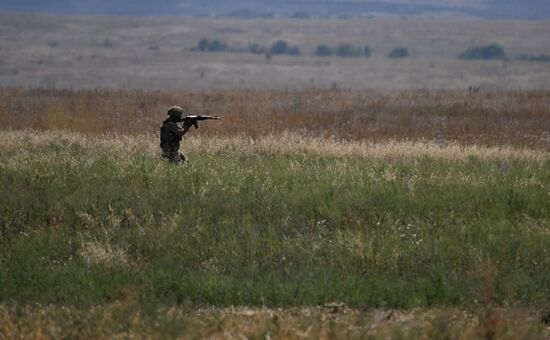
[193, 120]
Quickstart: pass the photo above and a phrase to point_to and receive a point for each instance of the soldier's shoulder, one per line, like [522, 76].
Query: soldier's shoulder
[170, 124]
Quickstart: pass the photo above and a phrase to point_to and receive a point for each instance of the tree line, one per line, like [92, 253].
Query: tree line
[347, 50]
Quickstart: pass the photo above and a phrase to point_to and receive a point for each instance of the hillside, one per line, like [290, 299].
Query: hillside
[160, 53]
[493, 9]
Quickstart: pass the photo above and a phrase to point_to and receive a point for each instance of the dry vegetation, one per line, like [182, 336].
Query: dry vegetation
[278, 144]
[155, 53]
[519, 119]
[423, 213]
[327, 322]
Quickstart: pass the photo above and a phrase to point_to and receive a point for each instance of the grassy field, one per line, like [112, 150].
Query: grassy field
[99, 234]
[499, 118]
[302, 214]
[329, 322]
[156, 53]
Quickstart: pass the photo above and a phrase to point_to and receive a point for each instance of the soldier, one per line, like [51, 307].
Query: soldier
[170, 135]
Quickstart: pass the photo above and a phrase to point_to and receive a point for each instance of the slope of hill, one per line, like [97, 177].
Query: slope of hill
[493, 9]
[161, 52]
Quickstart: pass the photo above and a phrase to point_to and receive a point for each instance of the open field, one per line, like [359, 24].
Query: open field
[302, 214]
[329, 322]
[500, 118]
[98, 232]
[155, 53]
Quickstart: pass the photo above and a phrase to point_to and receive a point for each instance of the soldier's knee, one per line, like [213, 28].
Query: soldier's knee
[174, 157]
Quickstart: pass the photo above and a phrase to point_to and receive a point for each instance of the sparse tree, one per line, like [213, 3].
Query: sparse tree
[255, 48]
[367, 52]
[279, 47]
[398, 53]
[108, 43]
[217, 46]
[347, 50]
[206, 45]
[203, 44]
[323, 51]
[488, 52]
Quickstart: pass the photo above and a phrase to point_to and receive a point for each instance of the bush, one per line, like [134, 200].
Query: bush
[255, 48]
[342, 50]
[279, 47]
[108, 43]
[398, 53]
[541, 57]
[367, 52]
[323, 51]
[282, 47]
[217, 46]
[347, 50]
[205, 45]
[488, 52]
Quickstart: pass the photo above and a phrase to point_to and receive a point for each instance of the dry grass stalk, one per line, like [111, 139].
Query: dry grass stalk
[118, 321]
[97, 253]
[284, 143]
[491, 118]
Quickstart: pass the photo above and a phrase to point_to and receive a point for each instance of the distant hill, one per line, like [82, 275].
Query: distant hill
[490, 9]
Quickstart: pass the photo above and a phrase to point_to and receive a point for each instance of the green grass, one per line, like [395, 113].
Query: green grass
[82, 226]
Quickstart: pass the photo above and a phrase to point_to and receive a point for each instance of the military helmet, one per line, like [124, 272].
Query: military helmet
[175, 111]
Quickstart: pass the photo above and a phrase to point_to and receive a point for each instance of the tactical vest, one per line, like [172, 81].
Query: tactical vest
[168, 139]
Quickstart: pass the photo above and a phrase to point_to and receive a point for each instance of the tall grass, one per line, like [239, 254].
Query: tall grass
[84, 225]
[334, 321]
[432, 200]
[487, 118]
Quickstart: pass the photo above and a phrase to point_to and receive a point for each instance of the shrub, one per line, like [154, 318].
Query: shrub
[107, 43]
[282, 47]
[367, 52]
[488, 52]
[347, 50]
[530, 57]
[323, 51]
[206, 45]
[398, 52]
[217, 46]
[255, 48]
[279, 47]
[203, 44]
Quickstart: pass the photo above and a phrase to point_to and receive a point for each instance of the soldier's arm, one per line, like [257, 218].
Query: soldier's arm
[174, 128]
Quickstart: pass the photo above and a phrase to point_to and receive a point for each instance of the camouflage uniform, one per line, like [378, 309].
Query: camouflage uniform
[170, 136]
